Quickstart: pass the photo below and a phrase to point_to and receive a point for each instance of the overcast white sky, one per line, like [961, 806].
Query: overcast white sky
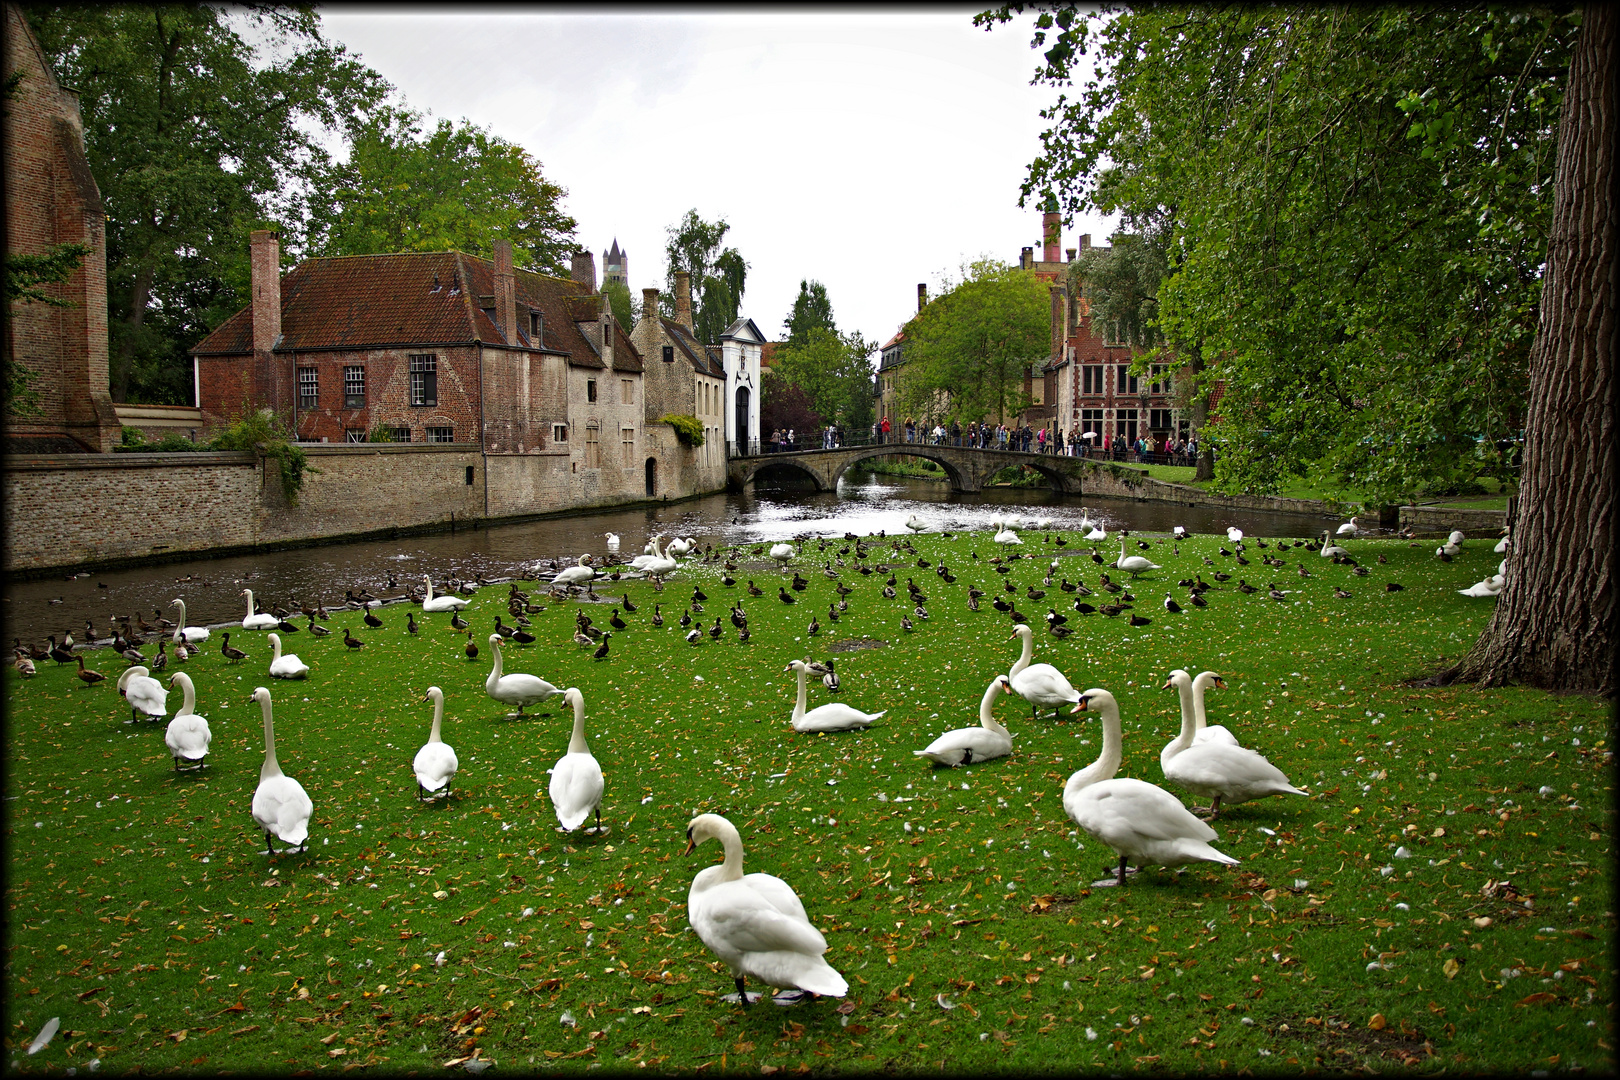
[868, 150]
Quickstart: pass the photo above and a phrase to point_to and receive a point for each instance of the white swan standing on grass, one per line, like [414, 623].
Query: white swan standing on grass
[782, 553]
[435, 764]
[964, 746]
[1218, 770]
[1097, 533]
[280, 805]
[1133, 564]
[834, 716]
[441, 603]
[755, 923]
[285, 667]
[578, 574]
[1038, 684]
[1203, 730]
[253, 621]
[1331, 550]
[652, 553]
[1005, 534]
[144, 693]
[517, 688]
[1142, 822]
[576, 779]
[183, 633]
[679, 547]
[1234, 534]
[188, 735]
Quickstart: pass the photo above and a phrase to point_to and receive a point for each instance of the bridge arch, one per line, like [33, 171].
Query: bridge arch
[922, 450]
[785, 462]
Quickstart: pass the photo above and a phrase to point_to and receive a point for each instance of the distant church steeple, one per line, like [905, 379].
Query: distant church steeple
[615, 266]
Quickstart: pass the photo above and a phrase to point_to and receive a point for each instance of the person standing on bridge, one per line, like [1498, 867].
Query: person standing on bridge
[883, 430]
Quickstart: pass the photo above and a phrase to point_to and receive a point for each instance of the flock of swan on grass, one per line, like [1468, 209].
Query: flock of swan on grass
[755, 923]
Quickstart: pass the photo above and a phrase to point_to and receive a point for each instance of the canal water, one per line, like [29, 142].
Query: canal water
[864, 503]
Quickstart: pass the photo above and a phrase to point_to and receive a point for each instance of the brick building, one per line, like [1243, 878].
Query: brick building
[684, 377]
[52, 199]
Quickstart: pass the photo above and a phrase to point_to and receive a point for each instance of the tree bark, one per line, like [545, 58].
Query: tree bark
[1200, 420]
[1555, 620]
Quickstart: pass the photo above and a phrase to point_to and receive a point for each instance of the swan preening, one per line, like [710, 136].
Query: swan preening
[1005, 533]
[144, 693]
[612, 543]
[679, 546]
[285, 667]
[441, 603]
[1221, 771]
[755, 923]
[1491, 586]
[834, 716]
[188, 735]
[266, 621]
[1038, 684]
[576, 779]
[280, 806]
[435, 764]
[967, 745]
[1142, 822]
[1133, 564]
[515, 689]
[1234, 534]
[184, 633]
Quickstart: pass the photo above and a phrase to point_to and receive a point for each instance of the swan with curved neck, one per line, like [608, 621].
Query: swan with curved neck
[280, 805]
[265, 621]
[755, 923]
[1133, 564]
[964, 746]
[144, 693]
[435, 764]
[285, 667]
[188, 735]
[576, 779]
[834, 716]
[654, 550]
[578, 574]
[1142, 822]
[515, 689]
[441, 603]
[1203, 730]
[1038, 684]
[1223, 772]
[184, 633]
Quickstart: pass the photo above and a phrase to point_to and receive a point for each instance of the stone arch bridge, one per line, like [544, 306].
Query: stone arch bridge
[967, 468]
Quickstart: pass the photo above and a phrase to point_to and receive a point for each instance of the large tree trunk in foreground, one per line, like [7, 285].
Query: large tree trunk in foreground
[1554, 625]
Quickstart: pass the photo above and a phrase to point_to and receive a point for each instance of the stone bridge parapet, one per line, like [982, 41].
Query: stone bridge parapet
[967, 468]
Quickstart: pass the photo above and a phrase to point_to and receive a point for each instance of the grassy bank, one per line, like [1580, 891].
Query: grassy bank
[1366, 926]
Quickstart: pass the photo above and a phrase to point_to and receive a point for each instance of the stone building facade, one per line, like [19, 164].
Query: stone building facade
[684, 377]
[741, 348]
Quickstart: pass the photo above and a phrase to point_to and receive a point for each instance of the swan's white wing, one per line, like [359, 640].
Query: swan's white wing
[835, 717]
[1215, 733]
[576, 788]
[281, 806]
[1124, 812]
[777, 893]
[744, 921]
[435, 764]
[188, 737]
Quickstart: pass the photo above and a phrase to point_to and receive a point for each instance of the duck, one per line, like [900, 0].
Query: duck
[1222, 771]
[755, 923]
[285, 667]
[144, 693]
[834, 716]
[964, 746]
[1179, 532]
[1142, 822]
[515, 689]
[1038, 684]
[471, 648]
[578, 574]
[281, 807]
[264, 621]
[318, 630]
[187, 735]
[576, 779]
[435, 764]
[188, 634]
[231, 652]
[1133, 564]
[1330, 550]
[441, 603]
[87, 676]
[1350, 528]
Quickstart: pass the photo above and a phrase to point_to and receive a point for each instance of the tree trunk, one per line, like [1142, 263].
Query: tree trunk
[1200, 419]
[124, 362]
[1554, 622]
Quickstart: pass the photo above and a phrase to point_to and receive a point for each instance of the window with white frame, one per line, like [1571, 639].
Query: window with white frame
[441, 434]
[402, 434]
[354, 434]
[308, 389]
[559, 433]
[424, 379]
[354, 387]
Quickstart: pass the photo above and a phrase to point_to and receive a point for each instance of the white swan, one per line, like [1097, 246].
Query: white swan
[1203, 730]
[182, 632]
[754, 923]
[257, 622]
[1219, 770]
[782, 553]
[1006, 535]
[661, 564]
[1503, 544]
[280, 805]
[441, 603]
[285, 667]
[435, 764]
[612, 543]
[1038, 684]
[1491, 586]
[834, 716]
[650, 553]
[1456, 538]
[515, 689]
[188, 735]
[1133, 564]
[578, 574]
[964, 746]
[1234, 534]
[576, 779]
[1330, 549]
[679, 546]
[1097, 532]
[1350, 528]
[144, 693]
[915, 523]
[1142, 822]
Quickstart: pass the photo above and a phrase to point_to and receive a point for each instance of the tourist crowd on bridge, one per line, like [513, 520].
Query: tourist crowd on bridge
[1145, 449]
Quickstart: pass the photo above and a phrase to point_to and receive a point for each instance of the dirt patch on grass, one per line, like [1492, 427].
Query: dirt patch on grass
[856, 645]
[1341, 1042]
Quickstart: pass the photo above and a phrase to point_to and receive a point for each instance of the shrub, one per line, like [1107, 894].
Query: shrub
[261, 427]
[688, 429]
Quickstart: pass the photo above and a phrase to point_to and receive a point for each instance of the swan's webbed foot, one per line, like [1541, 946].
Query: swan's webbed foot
[742, 996]
[792, 997]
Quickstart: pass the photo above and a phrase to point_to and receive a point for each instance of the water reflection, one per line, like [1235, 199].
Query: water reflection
[864, 503]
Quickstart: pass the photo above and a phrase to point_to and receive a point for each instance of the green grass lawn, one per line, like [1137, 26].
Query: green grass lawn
[1366, 927]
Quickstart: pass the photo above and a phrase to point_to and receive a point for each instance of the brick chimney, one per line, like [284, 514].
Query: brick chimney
[1085, 241]
[265, 260]
[922, 295]
[683, 298]
[505, 293]
[1070, 252]
[649, 304]
[584, 269]
[1051, 233]
[1025, 257]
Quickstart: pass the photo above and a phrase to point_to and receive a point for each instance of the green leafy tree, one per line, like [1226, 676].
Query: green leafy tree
[811, 309]
[835, 373]
[718, 274]
[26, 276]
[625, 309]
[785, 406]
[196, 137]
[1356, 203]
[968, 349]
[454, 187]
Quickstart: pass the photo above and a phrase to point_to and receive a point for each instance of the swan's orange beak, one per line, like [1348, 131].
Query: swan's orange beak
[1220, 682]
[1081, 707]
[691, 845]
[1168, 683]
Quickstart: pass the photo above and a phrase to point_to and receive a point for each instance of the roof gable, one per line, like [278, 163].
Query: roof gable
[743, 330]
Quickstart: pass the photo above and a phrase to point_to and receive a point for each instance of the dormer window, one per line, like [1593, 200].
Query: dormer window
[537, 329]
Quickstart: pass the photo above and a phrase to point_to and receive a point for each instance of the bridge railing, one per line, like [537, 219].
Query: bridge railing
[820, 441]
